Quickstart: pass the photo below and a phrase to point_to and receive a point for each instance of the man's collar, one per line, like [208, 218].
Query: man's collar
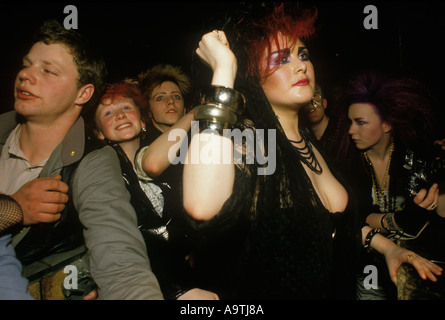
[72, 146]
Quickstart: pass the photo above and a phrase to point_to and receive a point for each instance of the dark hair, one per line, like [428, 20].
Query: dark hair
[90, 64]
[155, 76]
[401, 101]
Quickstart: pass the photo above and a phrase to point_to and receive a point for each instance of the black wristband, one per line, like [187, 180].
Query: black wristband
[368, 239]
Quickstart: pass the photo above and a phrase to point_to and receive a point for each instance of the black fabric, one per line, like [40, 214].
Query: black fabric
[167, 256]
[431, 242]
[273, 237]
[327, 141]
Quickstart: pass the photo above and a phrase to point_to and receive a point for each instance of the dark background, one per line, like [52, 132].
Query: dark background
[135, 36]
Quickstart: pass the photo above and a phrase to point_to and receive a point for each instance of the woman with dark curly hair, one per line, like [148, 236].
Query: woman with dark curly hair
[269, 235]
[390, 121]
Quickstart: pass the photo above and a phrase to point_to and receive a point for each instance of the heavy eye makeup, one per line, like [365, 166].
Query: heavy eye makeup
[303, 53]
[281, 57]
[358, 121]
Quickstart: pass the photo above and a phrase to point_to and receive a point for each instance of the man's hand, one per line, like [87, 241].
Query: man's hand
[42, 199]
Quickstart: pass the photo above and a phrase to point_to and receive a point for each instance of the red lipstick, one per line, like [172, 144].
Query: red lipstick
[302, 82]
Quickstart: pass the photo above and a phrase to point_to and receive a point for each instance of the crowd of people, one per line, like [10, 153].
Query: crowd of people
[88, 162]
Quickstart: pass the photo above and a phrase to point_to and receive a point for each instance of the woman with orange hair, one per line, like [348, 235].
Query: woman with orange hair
[119, 122]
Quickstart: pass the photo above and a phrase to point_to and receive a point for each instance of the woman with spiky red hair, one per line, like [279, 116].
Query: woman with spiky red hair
[269, 236]
[273, 235]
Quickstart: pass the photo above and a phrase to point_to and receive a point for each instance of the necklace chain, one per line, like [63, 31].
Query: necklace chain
[379, 190]
[306, 154]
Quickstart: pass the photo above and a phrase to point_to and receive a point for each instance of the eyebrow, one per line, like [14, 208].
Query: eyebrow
[46, 62]
[165, 92]
[286, 49]
[278, 51]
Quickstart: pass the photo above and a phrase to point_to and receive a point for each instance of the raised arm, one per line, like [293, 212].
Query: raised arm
[208, 176]
[153, 160]
[214, 51]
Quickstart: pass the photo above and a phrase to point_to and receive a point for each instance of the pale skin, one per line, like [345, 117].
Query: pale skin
[288, 88]
[120, 121]
[396, 256]
[167, 112]
[203, 198]
[48, 97]
[287, 96]
[372, 134]
[166, 105]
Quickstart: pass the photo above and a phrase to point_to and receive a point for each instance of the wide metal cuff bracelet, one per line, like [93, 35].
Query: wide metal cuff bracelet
[219, 109]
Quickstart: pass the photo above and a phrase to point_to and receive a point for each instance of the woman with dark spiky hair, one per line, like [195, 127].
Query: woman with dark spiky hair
[389, 120]
[402, 102]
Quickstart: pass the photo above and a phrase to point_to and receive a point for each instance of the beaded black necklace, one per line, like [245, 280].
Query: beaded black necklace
[306, 154]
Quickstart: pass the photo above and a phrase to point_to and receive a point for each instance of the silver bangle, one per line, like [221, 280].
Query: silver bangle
[219, 109]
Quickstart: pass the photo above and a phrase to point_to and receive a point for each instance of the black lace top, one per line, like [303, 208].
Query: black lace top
[273, 237]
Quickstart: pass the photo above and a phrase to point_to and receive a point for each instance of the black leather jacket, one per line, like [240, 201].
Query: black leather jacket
[167, 238]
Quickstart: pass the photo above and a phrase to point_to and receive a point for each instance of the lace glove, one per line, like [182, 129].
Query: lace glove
[10, 213]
